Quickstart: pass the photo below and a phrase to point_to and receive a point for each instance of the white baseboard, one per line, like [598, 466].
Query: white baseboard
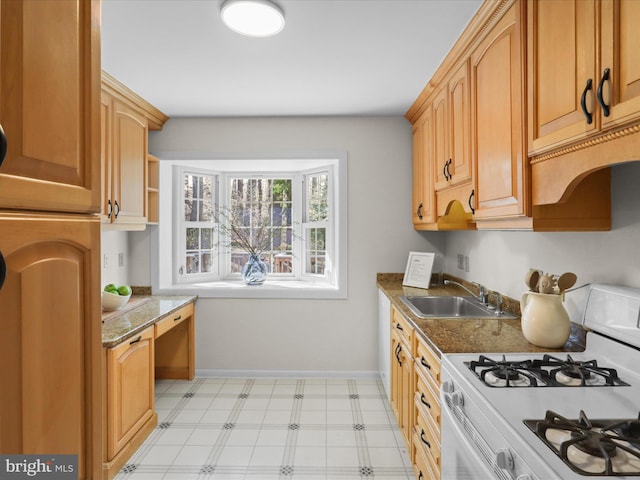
[218, 373]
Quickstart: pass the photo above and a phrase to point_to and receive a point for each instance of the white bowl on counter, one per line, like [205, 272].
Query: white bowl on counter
[111, 301]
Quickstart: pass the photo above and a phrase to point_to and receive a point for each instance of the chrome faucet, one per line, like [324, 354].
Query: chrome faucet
[482, 295]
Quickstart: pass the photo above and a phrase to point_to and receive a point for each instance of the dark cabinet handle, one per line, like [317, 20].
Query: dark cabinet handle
[473, 194]
[447, 165]
[110, 208]
[444, 170]
[583, 101]
[177, 318]
[423, 439]
[424, 363]
[136, 340]
[399, 327]
[421, 476]
[424, 401]
[3, 145]
[604, 106]
[419, 211]
[3, 270]
[118, 207]
[398, 350]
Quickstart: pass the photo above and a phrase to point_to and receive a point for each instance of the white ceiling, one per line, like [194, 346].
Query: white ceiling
[334, 57]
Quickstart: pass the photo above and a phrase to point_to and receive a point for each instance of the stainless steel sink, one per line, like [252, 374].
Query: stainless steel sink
[450, 307]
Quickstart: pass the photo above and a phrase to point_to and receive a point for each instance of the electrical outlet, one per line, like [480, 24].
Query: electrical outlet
[105, 261]
[466, 263]
[121, 259]
[460, 261]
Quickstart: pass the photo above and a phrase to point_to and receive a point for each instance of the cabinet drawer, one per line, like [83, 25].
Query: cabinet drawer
[173, 319]
[423, 463]
[428, 363]
[400, 325]
[427, 440]
[427, 400]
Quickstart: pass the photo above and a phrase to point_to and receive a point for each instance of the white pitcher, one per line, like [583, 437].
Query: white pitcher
[545, 322]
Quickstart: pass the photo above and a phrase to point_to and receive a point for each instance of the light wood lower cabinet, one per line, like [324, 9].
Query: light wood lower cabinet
[130, 389]
[402, 373]
[129, 399]
[50, 337]
[415, 396]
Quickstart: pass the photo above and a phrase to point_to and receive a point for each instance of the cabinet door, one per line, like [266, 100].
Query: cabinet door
[440, 140]
[423, 193]
[131, 389]
[49, 110]
[129, 164]
[459, 118]
[620, 38]
[106, 156]
[559, 76]
[500, 159]
[50, 338]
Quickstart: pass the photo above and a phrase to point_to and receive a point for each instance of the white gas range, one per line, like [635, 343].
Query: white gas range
[544, 417]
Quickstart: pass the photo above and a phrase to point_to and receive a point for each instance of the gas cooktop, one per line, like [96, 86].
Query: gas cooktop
[548, 371]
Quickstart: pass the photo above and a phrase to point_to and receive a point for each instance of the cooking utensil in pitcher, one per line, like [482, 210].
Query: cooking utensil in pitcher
[566, 281]
[531, 279]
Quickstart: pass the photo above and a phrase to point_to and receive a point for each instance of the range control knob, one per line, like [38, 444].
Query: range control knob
[524, 477]
[504, 459]
[457, 399]
[447, 387]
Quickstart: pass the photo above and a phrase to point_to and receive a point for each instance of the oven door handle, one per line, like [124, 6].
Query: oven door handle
[470, 448]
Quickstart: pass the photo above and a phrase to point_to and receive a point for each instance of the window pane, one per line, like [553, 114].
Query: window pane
[206, 238]
[193, 240]
[259, 218]
[206, 262]
[317, 197]
[315, 251]
[193, 262]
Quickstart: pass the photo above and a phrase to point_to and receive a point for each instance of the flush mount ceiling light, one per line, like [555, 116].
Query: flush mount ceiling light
[255, 18]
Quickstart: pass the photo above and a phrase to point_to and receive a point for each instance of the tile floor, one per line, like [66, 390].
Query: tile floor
[264, 429]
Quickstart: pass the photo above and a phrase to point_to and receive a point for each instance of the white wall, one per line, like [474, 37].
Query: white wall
[500, 260]
[313, 336]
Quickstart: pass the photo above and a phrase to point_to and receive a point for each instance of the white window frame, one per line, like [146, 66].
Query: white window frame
[165, 236]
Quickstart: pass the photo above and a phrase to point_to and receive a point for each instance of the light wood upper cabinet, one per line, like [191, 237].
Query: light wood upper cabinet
[423, 192]
[49, 110]
[50, 337]
[500, 160]
[620, 37]
[126, 121]
[559, 78]
[451, 125]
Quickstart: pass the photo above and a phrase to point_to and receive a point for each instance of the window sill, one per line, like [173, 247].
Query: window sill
[270, 289]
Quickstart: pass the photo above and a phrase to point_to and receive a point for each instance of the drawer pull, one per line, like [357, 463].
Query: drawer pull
[179, 317]
[422, 399]
[421, 476]
[398, 350]
[424, 363]
[136, 340]
[423, 439]
[399, 327]
[419, 211]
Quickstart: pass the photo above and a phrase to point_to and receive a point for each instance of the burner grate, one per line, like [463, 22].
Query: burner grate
[549, 371]
[609, 447]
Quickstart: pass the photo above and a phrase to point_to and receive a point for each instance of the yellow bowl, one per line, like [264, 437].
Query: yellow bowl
[111, 301]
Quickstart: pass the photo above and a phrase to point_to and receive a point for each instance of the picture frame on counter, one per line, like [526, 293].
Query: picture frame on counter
[418, 270]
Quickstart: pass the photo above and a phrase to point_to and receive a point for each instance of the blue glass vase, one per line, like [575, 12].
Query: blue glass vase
[254, 271]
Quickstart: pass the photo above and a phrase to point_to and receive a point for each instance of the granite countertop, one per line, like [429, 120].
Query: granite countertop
[140, 312]
[469, 335]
